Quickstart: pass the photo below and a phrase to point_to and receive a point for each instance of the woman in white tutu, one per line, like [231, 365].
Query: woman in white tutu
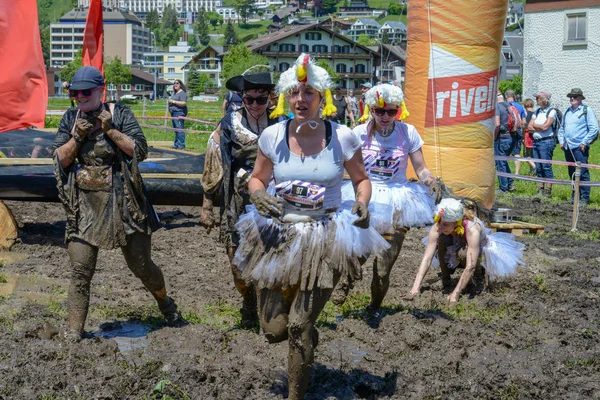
[297, 241]
[499, 253]
[396, 204]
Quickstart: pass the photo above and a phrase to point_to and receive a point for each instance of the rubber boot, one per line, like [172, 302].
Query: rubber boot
[168, 308]
[548, 192]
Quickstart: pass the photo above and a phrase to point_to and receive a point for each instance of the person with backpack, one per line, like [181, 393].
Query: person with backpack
[542, 125]
[511, 101]
[232, 102]
[528, 138]
[575, 136]
[504, 142]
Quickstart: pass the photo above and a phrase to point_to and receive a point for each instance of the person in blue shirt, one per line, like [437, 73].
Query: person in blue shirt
[579, 129]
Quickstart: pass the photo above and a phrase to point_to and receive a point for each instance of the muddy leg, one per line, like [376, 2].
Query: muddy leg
[344, 286]
[249, 308]
[83, 258]
[443, 243]
[274, 305]
[382, 266]
[303, 338]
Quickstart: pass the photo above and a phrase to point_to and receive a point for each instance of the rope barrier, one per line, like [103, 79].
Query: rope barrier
[545, 180]
[183, 118]
[537, 160]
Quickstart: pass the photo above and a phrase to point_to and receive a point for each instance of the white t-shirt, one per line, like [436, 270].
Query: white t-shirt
[320, 174]
[386, 158]
[540, 118]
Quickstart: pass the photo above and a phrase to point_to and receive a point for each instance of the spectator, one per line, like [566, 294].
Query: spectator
[178, 108]
[503, 144]
[575, 136]
[353, 102]
[343, 106]
[511, 99]
[527, 138]
[543, 140]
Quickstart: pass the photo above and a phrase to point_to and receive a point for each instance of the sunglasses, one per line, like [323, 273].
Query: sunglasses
[85, 92]
[380, 112]
[259, 100]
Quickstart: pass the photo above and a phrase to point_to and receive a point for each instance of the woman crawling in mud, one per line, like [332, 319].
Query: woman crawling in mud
[96, 153]
[230, 158]
[396, 204]
[297, 240]
[457, 227]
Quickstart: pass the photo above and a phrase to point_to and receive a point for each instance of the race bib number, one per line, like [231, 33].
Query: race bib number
[301, 195]
[384, 166]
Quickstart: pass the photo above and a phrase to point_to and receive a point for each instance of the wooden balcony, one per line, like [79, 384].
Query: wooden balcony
[330, 55]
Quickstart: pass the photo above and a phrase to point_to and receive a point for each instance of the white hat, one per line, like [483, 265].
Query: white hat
[304, 71]
[449, 210]
[381, 95]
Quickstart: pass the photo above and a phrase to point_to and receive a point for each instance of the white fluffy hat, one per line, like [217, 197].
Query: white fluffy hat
[304, 71]
[450, 210]
[381, 95]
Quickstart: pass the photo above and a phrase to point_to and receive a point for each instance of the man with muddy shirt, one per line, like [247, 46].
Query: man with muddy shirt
[96, 153]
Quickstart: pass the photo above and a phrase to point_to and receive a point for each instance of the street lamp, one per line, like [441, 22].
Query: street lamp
[153, 42]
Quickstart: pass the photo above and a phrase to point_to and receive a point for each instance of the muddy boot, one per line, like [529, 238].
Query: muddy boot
[547, 193]
[173, 317]
[373, 316]
[339, 295]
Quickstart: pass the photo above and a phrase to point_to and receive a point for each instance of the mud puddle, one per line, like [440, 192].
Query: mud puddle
[128, 335]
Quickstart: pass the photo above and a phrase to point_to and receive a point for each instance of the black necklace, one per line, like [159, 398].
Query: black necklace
[258, 126]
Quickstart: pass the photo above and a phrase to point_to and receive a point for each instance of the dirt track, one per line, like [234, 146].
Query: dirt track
[536, 335]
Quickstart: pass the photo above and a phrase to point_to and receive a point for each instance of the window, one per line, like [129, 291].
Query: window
[284, 66]
[139, 87]
[287, 47]
[340, 68]
[171, 70]
[171, 58]
[125, 86]
[304, 48]
[360, 68]
[111, 86]
[319, 48]
[576, 29]
[312, 36]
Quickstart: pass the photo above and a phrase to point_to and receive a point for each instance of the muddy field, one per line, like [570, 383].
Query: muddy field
[535, 335]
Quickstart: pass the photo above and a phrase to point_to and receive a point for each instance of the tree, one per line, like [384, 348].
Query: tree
[45, 38]
[329, 5]
[169, 19]
[202, 27]
[67, 72]
[117, 73]
[153, 20]
[214, 18]
[193, 81]
[365, 40]
[231, 38]
[245, 8]
[515, 84]
[325, 65]
[170, 29]
[385, 38]
[239, 59]
[394, 9]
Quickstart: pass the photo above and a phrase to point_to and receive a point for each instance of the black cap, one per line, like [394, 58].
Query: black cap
[87, 78]
[258, 80]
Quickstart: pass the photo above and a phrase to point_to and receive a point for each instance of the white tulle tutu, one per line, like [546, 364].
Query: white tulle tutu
[280, 255]
[499, 253]
[396, 205]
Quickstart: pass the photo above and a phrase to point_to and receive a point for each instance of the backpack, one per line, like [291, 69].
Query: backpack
[234, 101]
[515, 124]
[557, 121]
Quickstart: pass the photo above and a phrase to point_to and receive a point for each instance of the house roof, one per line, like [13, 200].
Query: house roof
[269, 38]
[80, 15]
[395, 25]
[396, 51]
[219, 50]
[515, 42]
[368, 21]
[554, 5]
[148, 77]
[284, 12]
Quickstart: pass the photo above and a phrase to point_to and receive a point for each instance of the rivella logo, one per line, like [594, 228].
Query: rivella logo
[461, 99]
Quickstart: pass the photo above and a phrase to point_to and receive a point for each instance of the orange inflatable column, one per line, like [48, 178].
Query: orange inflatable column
[452, 66]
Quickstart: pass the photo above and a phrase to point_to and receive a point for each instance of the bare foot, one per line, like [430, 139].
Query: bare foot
[207, 219]
[452, 299]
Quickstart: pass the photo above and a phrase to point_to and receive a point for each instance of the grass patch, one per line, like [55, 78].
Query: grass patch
[222, 315]
[167, 390]
[511, 392]
[542, 285]
[3, 278]
[593, 236]
[592, 364]
[7, 321]
[57, 308]
[470, 311]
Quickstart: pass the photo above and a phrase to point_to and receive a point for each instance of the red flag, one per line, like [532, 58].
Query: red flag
[23, 85]
[93, 38]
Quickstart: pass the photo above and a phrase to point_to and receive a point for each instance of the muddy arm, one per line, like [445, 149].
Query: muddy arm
[432, 242]
[473, 239]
